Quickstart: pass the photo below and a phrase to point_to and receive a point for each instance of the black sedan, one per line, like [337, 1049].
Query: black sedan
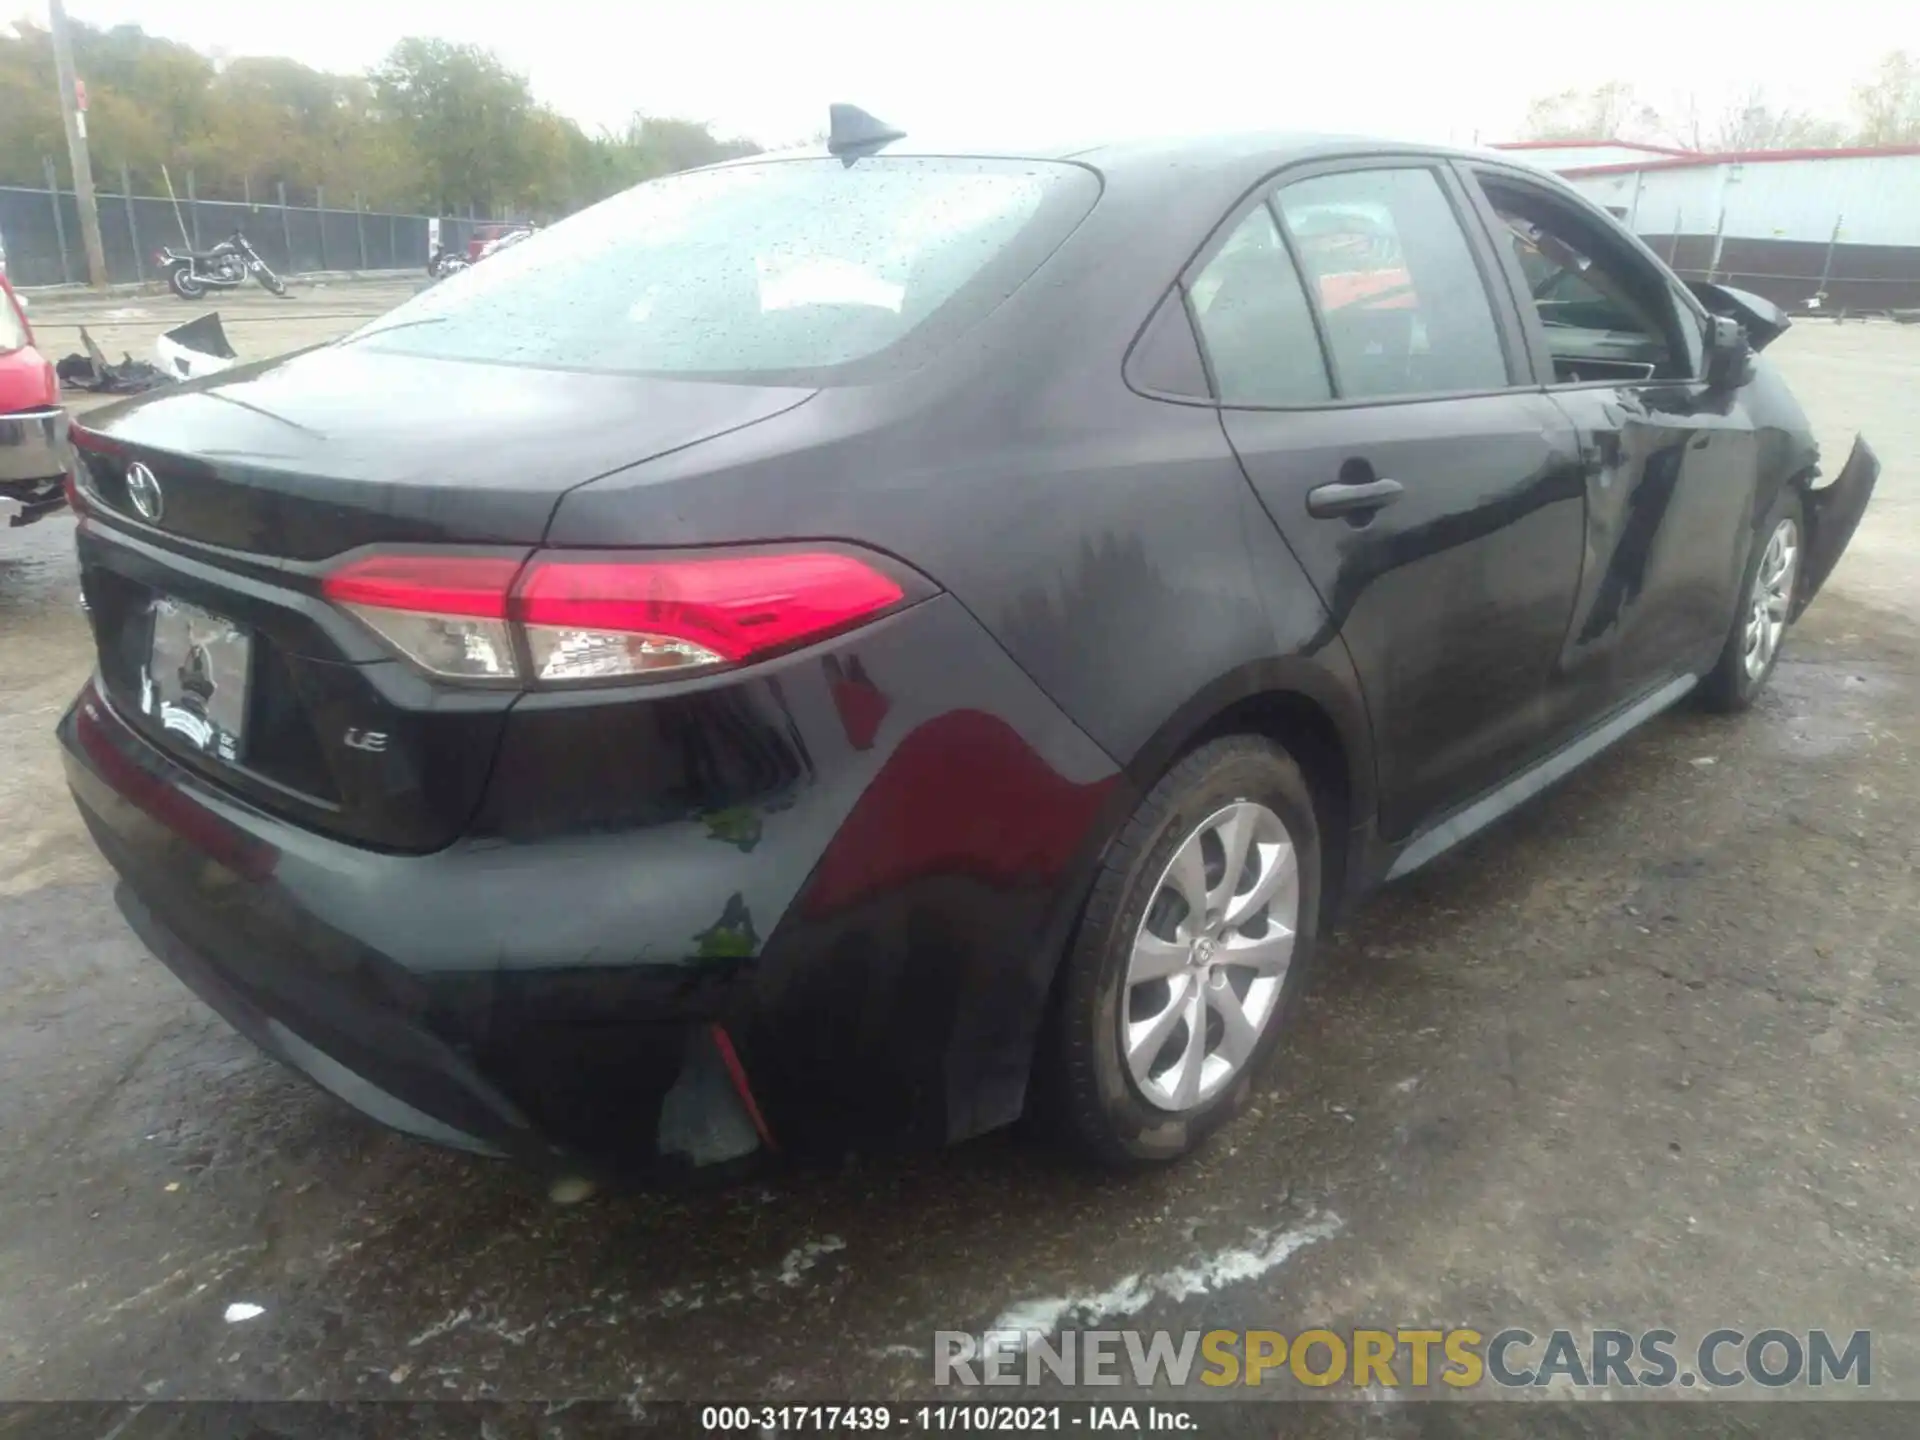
[857, 646]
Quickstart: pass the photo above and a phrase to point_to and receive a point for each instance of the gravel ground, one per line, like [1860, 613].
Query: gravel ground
[1640, 1056]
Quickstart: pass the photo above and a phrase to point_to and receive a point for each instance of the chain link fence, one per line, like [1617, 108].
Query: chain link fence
[40, 239]
[40, 233]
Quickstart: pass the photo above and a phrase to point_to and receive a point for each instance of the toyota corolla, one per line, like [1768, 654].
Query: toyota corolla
[857, 646]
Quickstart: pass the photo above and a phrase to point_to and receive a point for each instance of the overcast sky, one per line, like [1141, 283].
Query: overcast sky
[1003, 70]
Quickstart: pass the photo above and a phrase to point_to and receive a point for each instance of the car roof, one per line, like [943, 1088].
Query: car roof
[1205, 168]
[1263, 149]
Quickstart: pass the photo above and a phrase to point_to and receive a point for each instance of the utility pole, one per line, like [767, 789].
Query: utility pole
[76, 119]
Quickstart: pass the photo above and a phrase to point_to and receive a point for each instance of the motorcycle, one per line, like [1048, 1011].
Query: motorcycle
[447, 262]
[191, 273]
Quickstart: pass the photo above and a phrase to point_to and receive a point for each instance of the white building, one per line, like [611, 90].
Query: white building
[1789, 224]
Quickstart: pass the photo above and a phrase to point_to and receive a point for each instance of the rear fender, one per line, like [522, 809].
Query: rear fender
[1833, 514]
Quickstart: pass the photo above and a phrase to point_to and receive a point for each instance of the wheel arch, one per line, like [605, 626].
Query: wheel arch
[1313, 711]
[1789, 452]
[1316, 714]
[1301, 727]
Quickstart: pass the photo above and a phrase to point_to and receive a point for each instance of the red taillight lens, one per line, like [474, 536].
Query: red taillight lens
[594, 617]
[587, 617]
[429, 584]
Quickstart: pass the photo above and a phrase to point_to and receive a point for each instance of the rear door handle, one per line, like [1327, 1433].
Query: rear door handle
[1328, 501]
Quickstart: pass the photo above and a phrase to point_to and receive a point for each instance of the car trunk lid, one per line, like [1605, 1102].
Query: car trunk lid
[215, 642]
[319, 453]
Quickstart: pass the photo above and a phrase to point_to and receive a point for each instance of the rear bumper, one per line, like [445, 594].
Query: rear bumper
[302, 945]
[611, 969]
[417, 1064]
[33, 458]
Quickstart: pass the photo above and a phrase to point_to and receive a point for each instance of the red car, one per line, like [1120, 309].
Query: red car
[486, 238]
[33, 427]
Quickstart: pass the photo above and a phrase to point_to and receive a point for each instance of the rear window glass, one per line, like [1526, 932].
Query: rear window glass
[787, 268]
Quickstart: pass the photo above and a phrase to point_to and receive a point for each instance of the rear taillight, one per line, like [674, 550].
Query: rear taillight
[566, 618]
[74, 482]
[446, 613]
[594, 617]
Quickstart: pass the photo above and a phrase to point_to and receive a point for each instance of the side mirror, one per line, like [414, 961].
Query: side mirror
[1729, 355]
[1765, 321]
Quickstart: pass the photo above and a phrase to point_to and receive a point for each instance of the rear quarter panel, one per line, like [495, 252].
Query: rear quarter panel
[1126, 568]
[1108, 543]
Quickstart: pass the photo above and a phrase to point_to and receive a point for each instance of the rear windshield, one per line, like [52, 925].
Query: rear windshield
[788, 269]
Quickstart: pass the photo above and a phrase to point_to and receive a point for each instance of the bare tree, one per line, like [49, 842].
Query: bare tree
[1755, 123]
[1613, 111]
[1606, 112]
[1888, 105]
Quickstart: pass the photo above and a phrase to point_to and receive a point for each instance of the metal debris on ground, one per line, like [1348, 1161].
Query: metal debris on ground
[92, 371]
[199, 347]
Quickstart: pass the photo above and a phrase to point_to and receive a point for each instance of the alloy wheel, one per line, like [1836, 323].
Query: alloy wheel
[1211, 956]
[1772, 595]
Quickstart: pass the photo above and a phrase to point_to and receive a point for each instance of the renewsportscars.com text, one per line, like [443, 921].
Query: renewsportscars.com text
[1407, 1359]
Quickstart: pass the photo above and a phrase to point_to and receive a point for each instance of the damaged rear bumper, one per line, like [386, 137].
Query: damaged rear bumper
[1833, 514]
[612, 1069]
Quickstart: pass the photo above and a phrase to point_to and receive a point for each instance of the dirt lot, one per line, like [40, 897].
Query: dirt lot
[1642, 1056]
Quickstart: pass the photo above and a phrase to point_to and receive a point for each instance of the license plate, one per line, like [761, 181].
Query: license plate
[195, 683]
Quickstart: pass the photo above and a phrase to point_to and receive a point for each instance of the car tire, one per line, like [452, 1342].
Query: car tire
[1130, 1110]
[1760, 621]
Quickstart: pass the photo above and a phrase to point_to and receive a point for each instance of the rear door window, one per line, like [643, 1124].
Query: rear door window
[1405, 309]
[778, 270]
[1254, 320]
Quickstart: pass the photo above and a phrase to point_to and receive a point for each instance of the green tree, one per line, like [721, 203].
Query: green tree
[437, 126]
[467, 118]
[29, 107]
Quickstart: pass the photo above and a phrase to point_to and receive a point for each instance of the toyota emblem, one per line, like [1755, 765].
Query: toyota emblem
[144, 491]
